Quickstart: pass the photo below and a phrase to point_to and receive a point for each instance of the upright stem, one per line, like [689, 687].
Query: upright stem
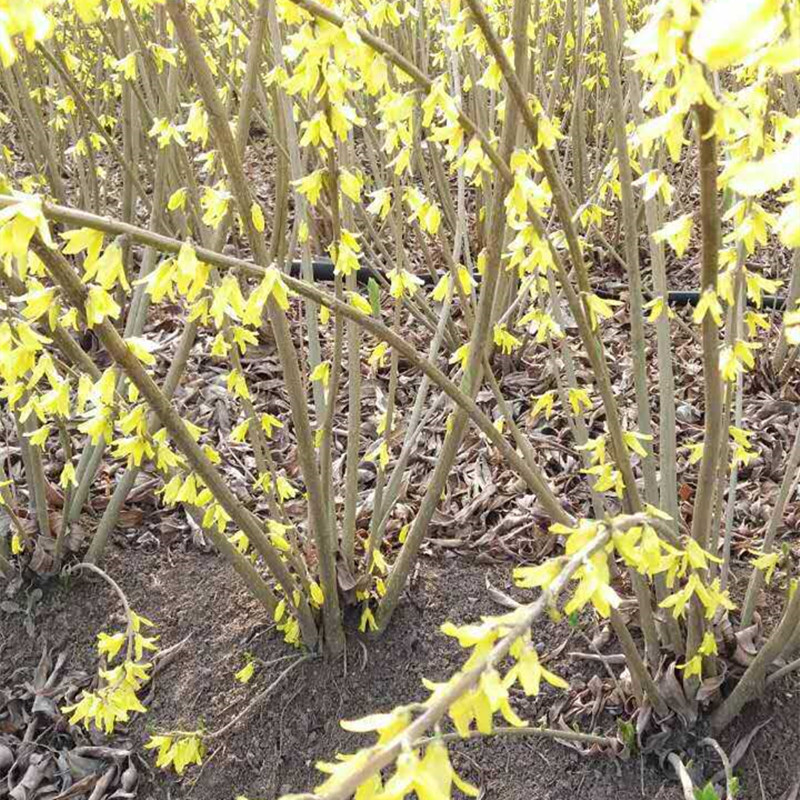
[300, 205]
[34, 473]
[592, 342]
[713, 390]
[782, 346]
[376, 526]
[128, 167]
[733, 409]
[280, 325]
[353, 448]
[479, 345]
[578, 122]
[638, 668]
[415, 424]
[629, 217]
[326, 448]
[125, 485]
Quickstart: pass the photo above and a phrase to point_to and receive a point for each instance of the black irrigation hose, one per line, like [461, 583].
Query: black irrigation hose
[323, 271]
[768, 301]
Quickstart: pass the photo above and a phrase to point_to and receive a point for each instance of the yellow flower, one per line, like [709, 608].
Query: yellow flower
[600, 308]
[729, 30]
[506, 341]
[677, 233]
[544, 402]
[708, 304]
[245, 674]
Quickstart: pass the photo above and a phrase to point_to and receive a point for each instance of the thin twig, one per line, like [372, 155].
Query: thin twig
[257, 699]
[784, 671]
[545, 733]
[726, 764]
[116, 587]
[683, 776]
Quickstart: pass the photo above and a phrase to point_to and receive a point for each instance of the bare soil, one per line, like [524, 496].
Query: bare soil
[187, 592]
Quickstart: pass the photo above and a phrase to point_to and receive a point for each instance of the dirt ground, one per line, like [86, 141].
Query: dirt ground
[273, 750]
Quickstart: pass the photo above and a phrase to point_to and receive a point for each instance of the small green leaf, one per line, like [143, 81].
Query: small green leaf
[573, 619]
[706, 793]
[627, 733]
[374, 296]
